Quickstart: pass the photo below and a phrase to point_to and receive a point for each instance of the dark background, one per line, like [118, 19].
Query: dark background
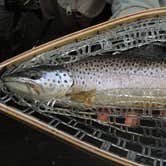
[21, 145]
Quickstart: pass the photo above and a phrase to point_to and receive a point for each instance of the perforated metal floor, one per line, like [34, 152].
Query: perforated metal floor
[145, 144]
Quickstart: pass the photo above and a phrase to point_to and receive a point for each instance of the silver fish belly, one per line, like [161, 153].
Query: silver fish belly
[96, 82]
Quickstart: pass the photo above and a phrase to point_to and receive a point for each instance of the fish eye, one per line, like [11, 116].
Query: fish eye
[34, 75]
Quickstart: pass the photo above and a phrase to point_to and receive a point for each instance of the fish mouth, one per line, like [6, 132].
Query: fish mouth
[10, 79]
[22, 85]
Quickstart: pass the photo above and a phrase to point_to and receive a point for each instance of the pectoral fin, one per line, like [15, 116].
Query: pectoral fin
[86, 97]
[36, 88]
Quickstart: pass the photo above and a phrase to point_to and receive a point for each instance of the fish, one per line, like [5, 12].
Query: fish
[95, 82]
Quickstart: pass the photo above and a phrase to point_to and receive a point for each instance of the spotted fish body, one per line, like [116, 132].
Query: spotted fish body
[97, 81]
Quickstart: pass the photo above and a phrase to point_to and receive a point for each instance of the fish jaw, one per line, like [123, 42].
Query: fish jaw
[22, 86]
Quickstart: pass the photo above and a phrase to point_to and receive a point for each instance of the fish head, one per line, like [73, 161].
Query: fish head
[40, 83]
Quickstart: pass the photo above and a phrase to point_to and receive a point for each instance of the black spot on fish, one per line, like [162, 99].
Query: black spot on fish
[65, 81]
[157, 65]
[64, 74]
[67, 70]
[59, 81]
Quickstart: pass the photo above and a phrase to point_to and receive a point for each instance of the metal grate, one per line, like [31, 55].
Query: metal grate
[145, 144]
[122, 37]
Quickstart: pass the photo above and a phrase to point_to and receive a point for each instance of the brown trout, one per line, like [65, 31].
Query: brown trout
[100, 81]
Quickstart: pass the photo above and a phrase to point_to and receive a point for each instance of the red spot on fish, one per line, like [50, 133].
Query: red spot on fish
[131, 119]
[103, 114]
[164, 113]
